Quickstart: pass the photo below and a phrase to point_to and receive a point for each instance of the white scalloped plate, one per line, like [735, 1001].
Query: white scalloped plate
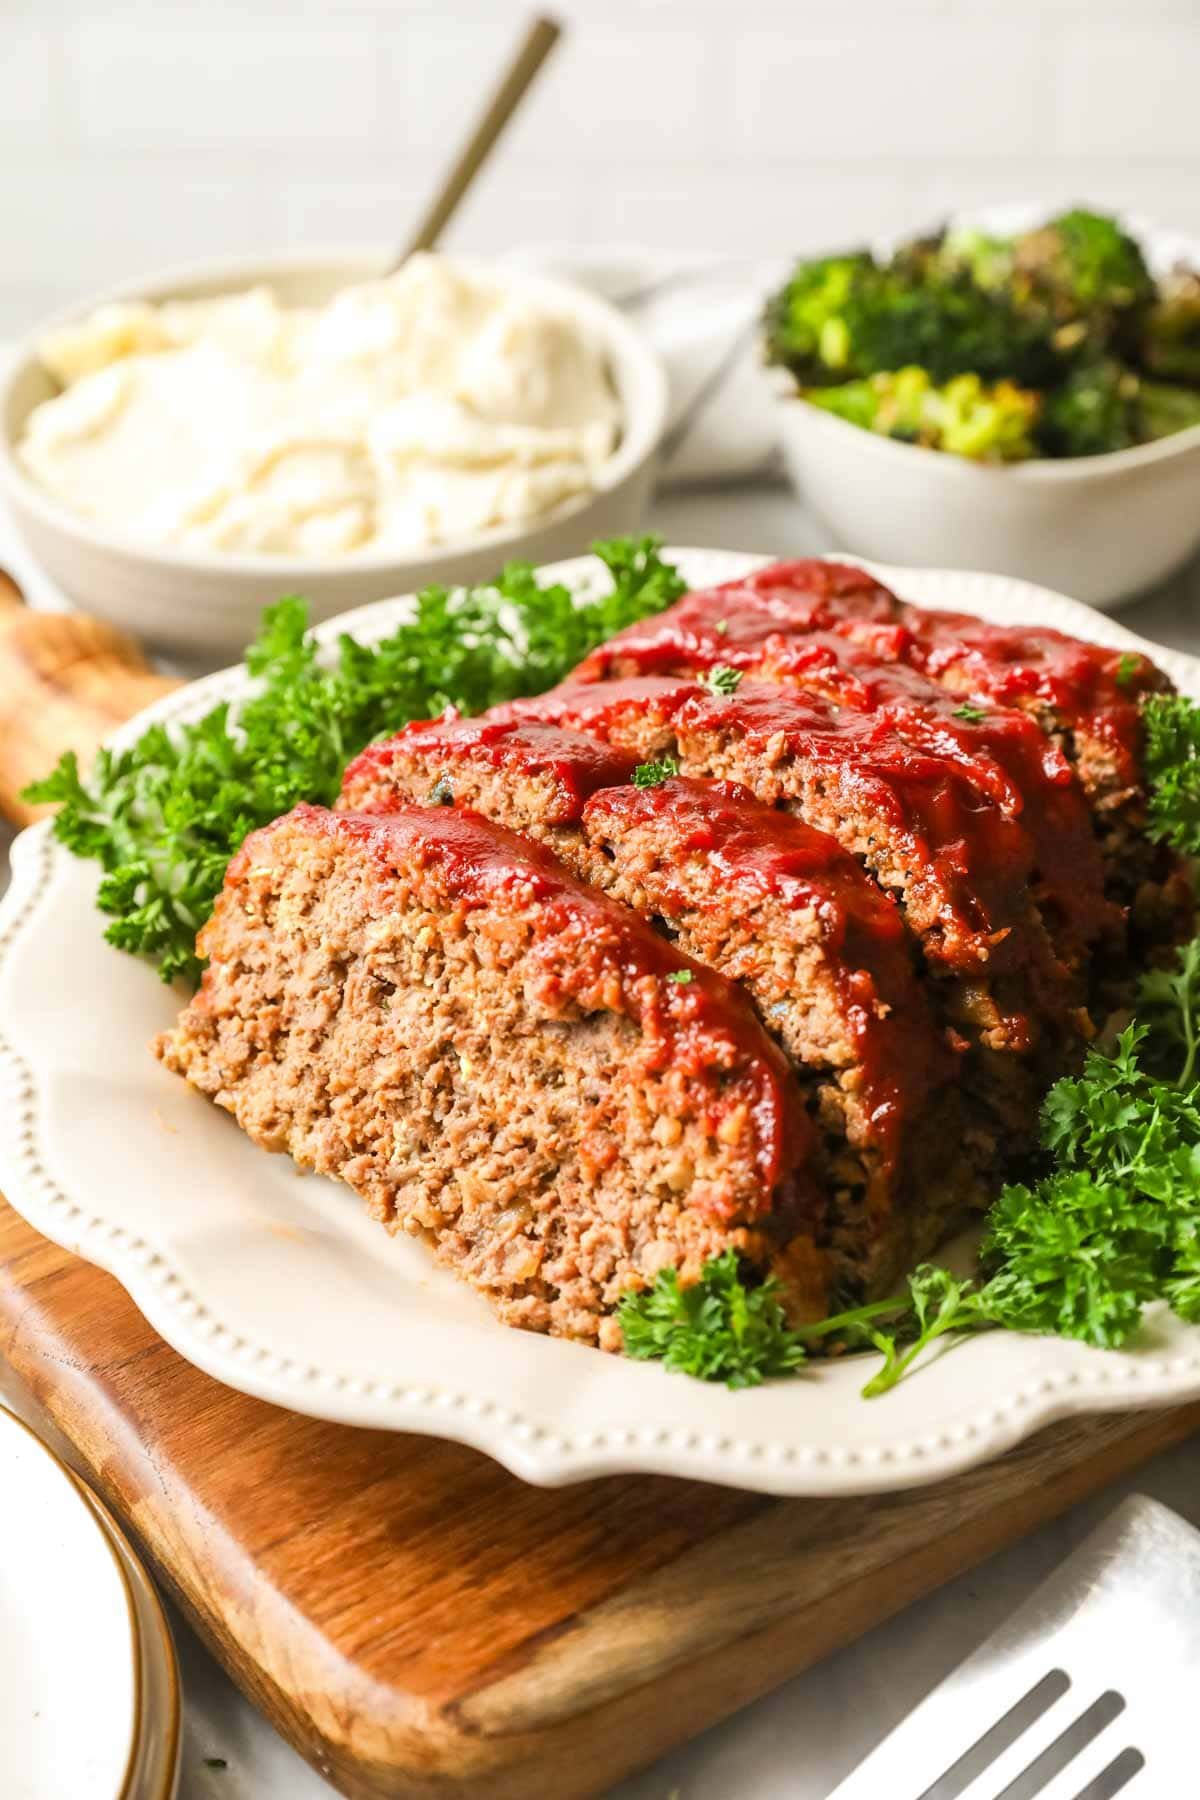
[279, 1285]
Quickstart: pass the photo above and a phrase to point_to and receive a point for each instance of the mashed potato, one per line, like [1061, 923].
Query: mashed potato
[411, 411]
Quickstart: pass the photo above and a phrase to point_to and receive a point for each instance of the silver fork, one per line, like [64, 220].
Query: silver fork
[1091, 1689]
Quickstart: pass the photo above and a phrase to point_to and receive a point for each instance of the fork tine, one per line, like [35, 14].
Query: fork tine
[1081, 1779]
[1003, 1775]
[1120, 1621]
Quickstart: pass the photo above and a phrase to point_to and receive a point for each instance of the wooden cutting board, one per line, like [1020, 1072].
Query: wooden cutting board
[413, 1619]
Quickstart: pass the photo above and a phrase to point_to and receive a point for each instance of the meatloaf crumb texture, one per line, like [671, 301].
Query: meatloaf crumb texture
[785, 911]
[958, 867]
[801, 999]
[498, 1058]
[1085, 698]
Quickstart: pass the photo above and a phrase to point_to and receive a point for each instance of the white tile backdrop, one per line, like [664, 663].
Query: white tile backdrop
[133, 134]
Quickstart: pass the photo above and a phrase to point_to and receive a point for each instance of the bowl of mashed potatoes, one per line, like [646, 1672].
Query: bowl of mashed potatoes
[180, 454]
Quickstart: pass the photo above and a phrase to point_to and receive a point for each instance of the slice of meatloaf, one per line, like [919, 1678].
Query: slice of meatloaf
[999, 748]
[957, 864]
[495, 1056]
[827, 959]
[721, 624]
[532, 777]
[775, 905]
[1087, 699]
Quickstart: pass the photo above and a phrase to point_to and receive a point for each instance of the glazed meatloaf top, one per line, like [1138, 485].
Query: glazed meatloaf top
[708, 852]
[587, 954]
[917, 817]
[1071, 686]
[557, 770]
[727, 624]
[1001, 749]
[1087, 690]
[775, 905]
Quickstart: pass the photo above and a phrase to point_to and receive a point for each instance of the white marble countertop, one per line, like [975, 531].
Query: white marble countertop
[800, 1741]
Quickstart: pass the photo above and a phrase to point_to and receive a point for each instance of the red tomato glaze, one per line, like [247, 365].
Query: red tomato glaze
[587, 943]
[756, 853]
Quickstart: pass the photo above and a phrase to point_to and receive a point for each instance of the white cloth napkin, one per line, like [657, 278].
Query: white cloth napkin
[700, 313]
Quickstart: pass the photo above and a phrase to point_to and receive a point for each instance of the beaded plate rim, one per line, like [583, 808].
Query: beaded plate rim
[982, 1408]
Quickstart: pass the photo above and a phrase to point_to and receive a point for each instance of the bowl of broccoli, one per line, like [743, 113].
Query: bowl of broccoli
[1018, 393]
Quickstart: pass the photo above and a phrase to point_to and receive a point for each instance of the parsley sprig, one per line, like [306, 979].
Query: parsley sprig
[723, 679]
[653, 774]
[717, 1329]
[164, 817]
[1172, 761]
[1112, 1225]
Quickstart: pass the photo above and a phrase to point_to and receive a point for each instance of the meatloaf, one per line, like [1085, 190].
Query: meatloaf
[1088, 700]
[999, 748]
[1084, 697]
[727, 624]
[958, 866]
[771, 903]
[797, 992]
[499, 1058]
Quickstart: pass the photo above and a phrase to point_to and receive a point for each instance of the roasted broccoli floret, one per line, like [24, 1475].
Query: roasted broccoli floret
[845, 317]
[987, 260]
[1047, 343]
[1094, 410]
[806, 320]
[1163, 409]
[950, 328]
[1105, 406]
[1083, 267]
[990, 423]
[1170, 341]
[921, 258]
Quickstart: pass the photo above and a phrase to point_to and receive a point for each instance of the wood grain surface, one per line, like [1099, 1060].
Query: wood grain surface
[66, 682]
[413, 1619]
[417, 1622]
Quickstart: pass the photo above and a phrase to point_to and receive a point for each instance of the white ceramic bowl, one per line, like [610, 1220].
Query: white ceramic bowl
[1100, 528]
[208, 603]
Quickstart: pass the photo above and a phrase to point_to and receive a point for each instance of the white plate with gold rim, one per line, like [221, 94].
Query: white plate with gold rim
[280, 1286]
[70, 1675]
[155, 1768]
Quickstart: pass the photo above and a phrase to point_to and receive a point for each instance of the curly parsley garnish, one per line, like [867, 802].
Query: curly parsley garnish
[653, 774]
[1128, 669]
[723, 680]
[1112, 1225]
[973, 715]
[717, 1329]
[164, 817]
[1113, 1221]
[1172, 761]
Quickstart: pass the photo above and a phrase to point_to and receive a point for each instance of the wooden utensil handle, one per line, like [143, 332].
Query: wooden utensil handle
[66, 682]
